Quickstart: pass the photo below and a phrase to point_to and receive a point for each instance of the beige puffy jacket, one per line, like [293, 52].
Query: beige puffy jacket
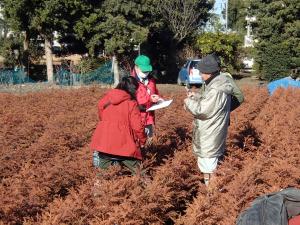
[211, 111]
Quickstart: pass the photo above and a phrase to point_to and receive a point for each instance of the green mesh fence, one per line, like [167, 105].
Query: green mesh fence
[102, 75]
[16, 76]
[63, 76]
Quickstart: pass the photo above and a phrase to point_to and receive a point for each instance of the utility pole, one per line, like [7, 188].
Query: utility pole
[226, 16]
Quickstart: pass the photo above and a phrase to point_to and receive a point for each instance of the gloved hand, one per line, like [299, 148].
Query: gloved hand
[142, 108]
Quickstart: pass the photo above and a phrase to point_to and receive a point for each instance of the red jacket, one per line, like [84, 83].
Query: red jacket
[119, 131]
[143, 94]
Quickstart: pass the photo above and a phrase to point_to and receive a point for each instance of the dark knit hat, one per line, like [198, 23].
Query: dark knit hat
[209, 64]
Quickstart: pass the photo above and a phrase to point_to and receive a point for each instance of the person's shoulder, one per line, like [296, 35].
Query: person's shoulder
[104, 98]
[226, 74]
[132, 105]
[222, 84]
[220, 80]
[152, 80]
[132, 102]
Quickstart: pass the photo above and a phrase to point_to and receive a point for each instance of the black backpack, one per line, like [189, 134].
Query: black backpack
[272, 209]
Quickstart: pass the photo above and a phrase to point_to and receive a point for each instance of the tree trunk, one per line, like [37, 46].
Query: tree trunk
[115, 70]
[49, 60]
[5, 32]
[172, 69]
[25, 58]
[26, 41]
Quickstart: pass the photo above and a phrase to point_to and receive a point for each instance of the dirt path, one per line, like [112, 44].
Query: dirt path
[250, 81]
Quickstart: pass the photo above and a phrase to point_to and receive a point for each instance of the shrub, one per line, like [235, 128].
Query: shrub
[227, 46]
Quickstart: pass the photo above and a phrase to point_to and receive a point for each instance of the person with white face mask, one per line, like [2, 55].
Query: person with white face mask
[142, 75]
[147, 93]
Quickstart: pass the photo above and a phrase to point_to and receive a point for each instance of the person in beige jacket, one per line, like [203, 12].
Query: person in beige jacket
[211, 111]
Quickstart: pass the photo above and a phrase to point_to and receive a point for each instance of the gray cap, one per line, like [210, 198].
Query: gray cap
[209, 64]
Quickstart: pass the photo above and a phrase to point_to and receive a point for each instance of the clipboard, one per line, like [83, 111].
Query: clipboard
[160, 105]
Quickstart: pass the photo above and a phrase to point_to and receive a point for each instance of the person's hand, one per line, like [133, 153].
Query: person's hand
[190, 94]
[184, 107]
[154, 98]
[160, 100]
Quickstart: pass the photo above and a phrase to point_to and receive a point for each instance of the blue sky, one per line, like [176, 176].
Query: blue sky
[217, 6]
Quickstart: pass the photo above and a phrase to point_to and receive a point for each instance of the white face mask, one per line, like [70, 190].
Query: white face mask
[143, 75]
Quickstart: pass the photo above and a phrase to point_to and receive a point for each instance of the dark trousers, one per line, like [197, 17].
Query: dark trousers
[103, 161]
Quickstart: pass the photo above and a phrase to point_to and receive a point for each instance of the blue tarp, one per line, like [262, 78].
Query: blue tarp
[282, 83]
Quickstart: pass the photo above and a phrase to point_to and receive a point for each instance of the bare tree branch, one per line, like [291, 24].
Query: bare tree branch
[183, 16]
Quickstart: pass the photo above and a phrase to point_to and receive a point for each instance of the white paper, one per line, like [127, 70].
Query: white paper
[160, 105]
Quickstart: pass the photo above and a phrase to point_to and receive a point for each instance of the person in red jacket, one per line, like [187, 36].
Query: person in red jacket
[119, 134]
[147, 93]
